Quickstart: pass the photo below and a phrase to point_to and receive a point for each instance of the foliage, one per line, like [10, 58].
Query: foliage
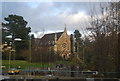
[78, 41]
[16, 27]
[76, 61]
[104, 38]
[77, 35]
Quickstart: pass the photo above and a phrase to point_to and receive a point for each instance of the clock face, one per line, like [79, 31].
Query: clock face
[64, 45]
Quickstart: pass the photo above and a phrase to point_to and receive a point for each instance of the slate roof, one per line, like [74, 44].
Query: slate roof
[48, 39]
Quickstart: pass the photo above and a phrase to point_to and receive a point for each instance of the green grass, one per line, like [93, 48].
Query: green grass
[62, 62]
[24, 64]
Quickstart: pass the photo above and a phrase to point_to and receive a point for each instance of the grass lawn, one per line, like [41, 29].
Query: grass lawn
[62, 62]
[24, 64]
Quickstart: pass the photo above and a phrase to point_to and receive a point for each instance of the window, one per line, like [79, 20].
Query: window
[64, 45]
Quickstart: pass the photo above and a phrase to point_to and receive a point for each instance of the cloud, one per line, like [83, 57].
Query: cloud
[50, 16]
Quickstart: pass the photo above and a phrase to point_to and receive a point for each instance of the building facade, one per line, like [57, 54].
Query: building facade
[59, 42]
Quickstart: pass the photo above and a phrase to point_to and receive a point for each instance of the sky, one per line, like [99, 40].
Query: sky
[51, 17]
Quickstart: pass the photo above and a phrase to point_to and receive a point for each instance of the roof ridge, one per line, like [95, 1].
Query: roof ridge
[53, 33]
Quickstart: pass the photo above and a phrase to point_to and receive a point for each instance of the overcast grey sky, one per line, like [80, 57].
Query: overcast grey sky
[51, 16]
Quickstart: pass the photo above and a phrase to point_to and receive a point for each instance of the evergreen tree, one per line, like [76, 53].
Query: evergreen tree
[16, 27]
[78, 40]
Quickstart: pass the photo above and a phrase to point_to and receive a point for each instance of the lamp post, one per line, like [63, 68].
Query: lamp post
[12, 48]
[7, 46]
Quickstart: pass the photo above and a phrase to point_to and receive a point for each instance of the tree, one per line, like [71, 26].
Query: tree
[16, 27]
[104, 37]
[78, 40]
[77, 35]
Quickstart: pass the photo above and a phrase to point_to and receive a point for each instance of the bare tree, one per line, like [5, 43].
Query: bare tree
[104, 30]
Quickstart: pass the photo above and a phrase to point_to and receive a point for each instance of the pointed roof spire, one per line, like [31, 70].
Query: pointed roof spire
[55, 37]
[65, 30]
